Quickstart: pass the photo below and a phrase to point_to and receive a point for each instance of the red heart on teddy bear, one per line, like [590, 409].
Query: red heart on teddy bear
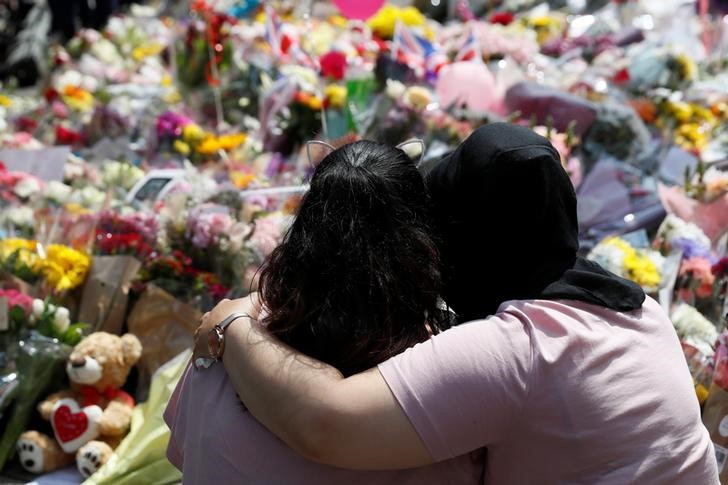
[69, 425]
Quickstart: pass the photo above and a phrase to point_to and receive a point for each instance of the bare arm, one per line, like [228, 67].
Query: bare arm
[352, 422]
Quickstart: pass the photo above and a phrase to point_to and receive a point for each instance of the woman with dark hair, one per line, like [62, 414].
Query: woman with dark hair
[355, 281]
[564, 372]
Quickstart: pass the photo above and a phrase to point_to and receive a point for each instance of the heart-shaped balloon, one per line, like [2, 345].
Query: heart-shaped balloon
[358, 9]
[74, 426]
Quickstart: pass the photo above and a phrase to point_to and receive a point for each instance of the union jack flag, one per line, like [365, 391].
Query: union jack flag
[273, 31]
[470, 49]
[415, 50]
[283, 43]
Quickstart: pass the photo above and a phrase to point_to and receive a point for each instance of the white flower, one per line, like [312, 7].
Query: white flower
[58, 191]
[692, 327]
[61, 320]
[105, 51]
[68, 78]
[38, 307]
[673, 228]
[89, 197]
[27, 187]
[21, 216]
[120, 174]
[395, 89]
[609, 257]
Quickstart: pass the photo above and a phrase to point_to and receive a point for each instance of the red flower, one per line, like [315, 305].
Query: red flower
[502, 18]
[333, 64]
[721, 267]
[286, 44]
[622, 76]
[64, 136]
[26, 124]
[50, 94]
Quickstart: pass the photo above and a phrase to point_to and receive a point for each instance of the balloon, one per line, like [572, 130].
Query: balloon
[358, 9]
[470, 84]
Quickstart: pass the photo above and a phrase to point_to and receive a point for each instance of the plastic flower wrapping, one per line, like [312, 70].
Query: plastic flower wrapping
[158, 161]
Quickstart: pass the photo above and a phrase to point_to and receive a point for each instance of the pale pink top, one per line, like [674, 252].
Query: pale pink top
[559, 392]
[215, 440]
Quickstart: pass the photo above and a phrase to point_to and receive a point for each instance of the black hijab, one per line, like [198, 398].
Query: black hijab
[506, 212]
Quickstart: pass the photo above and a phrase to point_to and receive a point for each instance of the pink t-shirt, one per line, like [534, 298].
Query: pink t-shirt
[215, 440]
[559, 392]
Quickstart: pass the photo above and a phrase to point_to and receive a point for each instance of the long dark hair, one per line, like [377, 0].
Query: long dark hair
[357, 276]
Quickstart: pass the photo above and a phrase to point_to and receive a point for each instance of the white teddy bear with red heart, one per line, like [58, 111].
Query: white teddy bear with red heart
[90, 419]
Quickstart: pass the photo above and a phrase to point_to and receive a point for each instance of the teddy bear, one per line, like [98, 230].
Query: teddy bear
[91, 418]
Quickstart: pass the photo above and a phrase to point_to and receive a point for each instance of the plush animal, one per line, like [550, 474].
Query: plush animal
[90, 419]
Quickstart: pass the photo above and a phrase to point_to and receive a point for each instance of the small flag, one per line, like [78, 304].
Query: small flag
[416, 50]
[470, 49]
[273, 30]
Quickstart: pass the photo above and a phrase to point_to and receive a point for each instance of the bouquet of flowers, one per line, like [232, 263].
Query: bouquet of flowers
[133, 234]
[643, 266]
[20, 258]
[693, 328]
[65, 268]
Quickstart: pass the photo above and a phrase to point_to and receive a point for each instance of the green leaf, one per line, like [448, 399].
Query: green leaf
[17, 315]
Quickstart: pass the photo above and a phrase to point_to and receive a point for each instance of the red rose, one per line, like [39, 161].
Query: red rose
[333, 64]
[64, 136]
[502, 18]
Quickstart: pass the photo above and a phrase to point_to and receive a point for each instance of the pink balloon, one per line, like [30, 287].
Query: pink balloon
[358, 9]
[469, 83]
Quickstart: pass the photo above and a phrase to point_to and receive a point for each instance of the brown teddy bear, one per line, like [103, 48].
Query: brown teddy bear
[90, 419]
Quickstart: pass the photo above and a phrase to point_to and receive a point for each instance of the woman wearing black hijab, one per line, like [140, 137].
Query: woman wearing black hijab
[564, 372]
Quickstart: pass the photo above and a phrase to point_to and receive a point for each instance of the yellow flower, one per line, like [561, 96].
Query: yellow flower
[385, 20]
[339, 21]
[9, 246]
[65, 268]
[232, 140]
[193, 133]
[5, 101]
[702, 393]
[687, 66]
[691, 135]
[78, 98]
[241, 180]
[76, 209]
[637, 265]
[142, 52]
[166, 80]
[24, 250]
[182, 147]
[315, 103]
[209, 145]
[680, 110]
[336, 95]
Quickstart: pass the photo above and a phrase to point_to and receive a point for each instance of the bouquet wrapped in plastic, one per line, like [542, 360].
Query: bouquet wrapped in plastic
[38, 364]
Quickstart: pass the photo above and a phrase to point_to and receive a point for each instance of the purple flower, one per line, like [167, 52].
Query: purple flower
[693, 249]
[170, 124]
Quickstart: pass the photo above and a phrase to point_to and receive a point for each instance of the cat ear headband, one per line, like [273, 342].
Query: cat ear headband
[317, 150]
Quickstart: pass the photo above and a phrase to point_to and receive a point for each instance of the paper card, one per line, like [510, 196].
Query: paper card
[46, 164]
[670, 270]
[637, 239]
[4, 316]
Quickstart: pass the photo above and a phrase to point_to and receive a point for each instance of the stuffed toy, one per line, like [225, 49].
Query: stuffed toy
[90, 419]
